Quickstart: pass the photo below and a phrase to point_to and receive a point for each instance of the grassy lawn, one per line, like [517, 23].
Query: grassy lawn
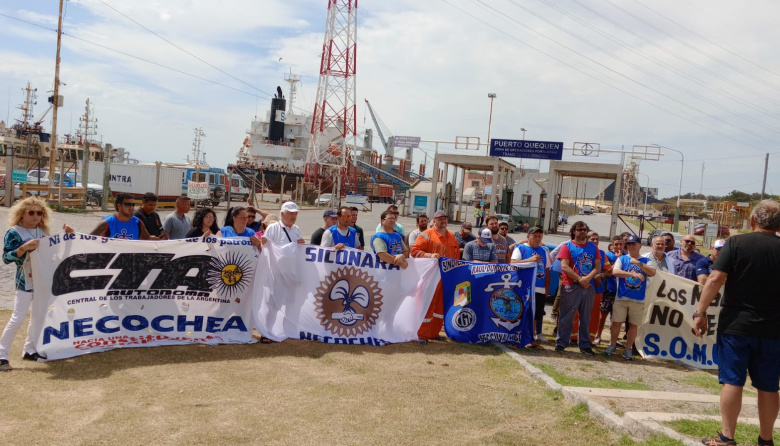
[295, 392]
[602, 383]
[746, 434]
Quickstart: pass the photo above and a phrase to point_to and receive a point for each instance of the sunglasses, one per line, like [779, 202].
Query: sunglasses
[130, 204]
[689, 241]
[670, 240]
[33, 213]
[250, 216]
[581, 230]
[395, 213]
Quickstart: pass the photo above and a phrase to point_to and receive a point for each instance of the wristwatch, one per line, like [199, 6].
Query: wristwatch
[697, 314]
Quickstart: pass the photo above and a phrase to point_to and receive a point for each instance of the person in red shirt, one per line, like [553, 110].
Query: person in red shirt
[435, 243]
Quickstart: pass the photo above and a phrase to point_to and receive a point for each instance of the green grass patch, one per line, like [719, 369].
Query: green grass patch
[704, 381]
[599, 382]
[746, 433]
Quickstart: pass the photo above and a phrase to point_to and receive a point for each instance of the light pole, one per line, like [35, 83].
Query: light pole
[647, 187]
[679, 191]
[523, 130]
[490, 122]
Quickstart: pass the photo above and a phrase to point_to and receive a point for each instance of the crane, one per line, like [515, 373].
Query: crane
[389, 150]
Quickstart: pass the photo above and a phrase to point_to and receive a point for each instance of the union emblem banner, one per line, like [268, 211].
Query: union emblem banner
[486, 302]
[94, 294]
[667, 329]
[340, 297]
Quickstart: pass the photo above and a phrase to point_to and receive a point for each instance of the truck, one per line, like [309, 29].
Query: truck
[168, 181]
[380, 193]
[239, 190]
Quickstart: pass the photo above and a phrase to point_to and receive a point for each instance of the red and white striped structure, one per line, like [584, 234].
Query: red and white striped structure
[334, 126]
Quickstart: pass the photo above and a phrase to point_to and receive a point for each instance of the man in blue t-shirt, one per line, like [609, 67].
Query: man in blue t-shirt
[122, 224]
[341, 235]
[704, 266]
[534, 251]
[632, 272]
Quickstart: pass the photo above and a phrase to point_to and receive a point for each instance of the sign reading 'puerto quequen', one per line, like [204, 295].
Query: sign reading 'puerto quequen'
[510, 148]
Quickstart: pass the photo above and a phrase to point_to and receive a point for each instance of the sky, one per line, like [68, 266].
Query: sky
[699, 77]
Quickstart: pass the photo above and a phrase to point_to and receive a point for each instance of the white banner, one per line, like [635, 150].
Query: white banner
[340, 297]
[197, 191]
[94, 294]
[667, 329]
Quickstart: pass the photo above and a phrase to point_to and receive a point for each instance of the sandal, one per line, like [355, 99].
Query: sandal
[718, 441]
[264, 340]
[535, 346]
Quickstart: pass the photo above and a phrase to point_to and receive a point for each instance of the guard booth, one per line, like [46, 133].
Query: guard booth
[561, 169]
[503, 173]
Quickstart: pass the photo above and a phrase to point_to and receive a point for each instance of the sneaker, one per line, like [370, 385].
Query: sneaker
[540, 338]
[31, 356]
[587, 351]
[621, 345]
[718, 440]
[422, 341]
[597, 341]
[4, 365]
[559, 349]
[628, 355]
[610, 350]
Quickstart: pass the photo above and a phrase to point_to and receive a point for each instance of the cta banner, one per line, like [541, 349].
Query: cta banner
[94, 294]
[486, 302]
[667, 329]
[340, 297]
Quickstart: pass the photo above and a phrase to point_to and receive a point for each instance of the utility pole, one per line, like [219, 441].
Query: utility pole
[766, 166]
[55, 104]
[701, 183]
[87, 152]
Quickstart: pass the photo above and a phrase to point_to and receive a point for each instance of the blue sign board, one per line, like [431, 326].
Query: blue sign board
[19, 176]
[541, 150]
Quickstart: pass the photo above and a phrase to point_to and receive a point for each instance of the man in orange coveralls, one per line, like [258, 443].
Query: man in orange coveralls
[434, 243]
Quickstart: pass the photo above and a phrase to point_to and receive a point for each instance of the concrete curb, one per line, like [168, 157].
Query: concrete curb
[640, 428]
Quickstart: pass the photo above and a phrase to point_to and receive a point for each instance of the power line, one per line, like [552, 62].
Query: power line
[621, 75]
[653, 75]
[694, 48]
[180, 48]
[657, 61]
[709, 41]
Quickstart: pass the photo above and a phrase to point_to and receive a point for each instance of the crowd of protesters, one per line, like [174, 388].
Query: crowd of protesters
[595, 285]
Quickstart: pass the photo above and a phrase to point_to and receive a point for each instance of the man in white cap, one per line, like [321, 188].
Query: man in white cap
[481, 250]
[704, 266]
[285, 231]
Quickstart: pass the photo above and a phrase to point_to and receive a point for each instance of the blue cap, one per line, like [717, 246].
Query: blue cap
[633, 239]
[330, 213]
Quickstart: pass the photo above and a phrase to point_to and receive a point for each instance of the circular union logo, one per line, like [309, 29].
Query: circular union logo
[464, 319]
[348, 302]
[506, 304]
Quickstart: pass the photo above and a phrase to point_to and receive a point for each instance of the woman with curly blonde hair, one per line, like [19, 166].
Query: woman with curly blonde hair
[29, 222]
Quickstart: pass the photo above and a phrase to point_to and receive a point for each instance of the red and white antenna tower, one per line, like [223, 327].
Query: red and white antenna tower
[334, 126]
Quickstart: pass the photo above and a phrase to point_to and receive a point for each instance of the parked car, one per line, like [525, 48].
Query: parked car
[653, 234]
[722, 232]
[587, 210]
[324, 200]
[508, 219]
[17, 191]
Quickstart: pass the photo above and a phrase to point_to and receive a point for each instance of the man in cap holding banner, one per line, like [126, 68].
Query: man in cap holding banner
[748, 333]
[632, 272]
[435, 243]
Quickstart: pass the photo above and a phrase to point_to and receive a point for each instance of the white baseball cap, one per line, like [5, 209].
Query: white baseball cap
[290, 206]
[718, 244]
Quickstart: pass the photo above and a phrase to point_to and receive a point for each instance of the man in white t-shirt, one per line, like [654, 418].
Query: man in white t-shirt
[285, 231]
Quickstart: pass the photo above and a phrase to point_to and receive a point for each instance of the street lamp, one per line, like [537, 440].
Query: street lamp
[523, 130]
[679, 191]
[490, 122]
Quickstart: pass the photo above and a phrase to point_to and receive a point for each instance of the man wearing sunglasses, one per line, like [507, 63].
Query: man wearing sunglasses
[398, 227]
[123, 224]
[685, 258]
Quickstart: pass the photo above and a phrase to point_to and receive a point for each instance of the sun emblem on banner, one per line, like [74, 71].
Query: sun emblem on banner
[230, 274]
[348, 302]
